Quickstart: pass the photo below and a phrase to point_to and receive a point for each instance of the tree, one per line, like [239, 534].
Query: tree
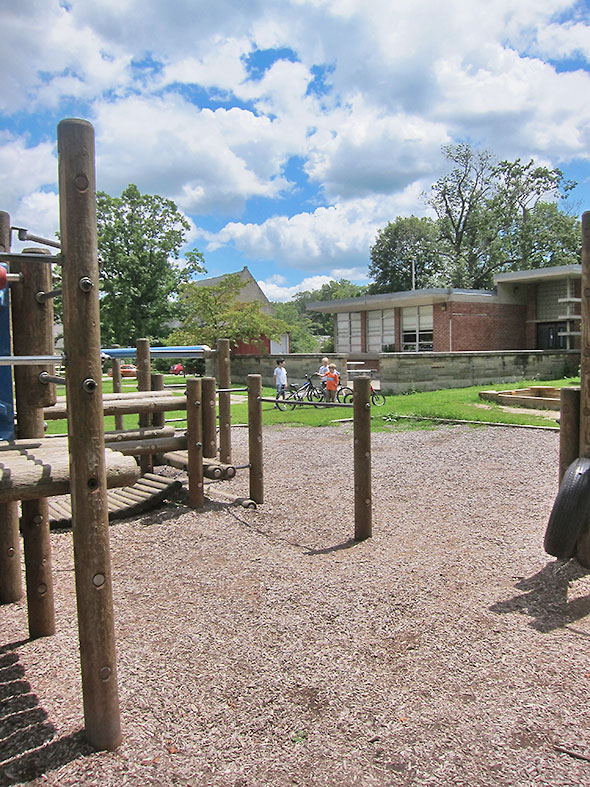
[405, 255]
[480, 205]
[299, 326]
[214, 311]
[139, 237]
[323, 324]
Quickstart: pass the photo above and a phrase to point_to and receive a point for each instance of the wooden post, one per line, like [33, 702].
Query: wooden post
[157, 384]
[224, 381]
[117, 387]
[255, 438]
[363, 527]
[194, 422]
[583, 545]
[209, 418]
[585, 348]
[143, 384]
[32, 328]
[77, 200]
[11, 588]
[569, 428]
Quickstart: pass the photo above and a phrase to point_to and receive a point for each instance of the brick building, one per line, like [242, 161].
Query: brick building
[527, 310]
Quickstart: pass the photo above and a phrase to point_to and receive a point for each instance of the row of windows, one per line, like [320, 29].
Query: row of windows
[416, 330]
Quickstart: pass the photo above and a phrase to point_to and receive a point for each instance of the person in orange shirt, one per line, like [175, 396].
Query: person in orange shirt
[332, 380]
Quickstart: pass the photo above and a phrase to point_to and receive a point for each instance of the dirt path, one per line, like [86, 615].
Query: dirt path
[266, 648]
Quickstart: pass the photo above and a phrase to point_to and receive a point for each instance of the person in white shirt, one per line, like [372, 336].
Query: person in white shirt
[280, 378]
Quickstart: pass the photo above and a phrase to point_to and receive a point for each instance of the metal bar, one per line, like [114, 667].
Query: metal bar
[304, 403]
[30, 360]
[47, 258]
[46, 378]
[41, 297]
[24, 234]
[230, 390]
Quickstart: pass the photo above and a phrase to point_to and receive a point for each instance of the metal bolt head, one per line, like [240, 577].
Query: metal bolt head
[85, 284]
[89, 385]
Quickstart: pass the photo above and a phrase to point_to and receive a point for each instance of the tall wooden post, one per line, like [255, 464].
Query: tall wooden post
[255, 457]
[157, 384]
[583, 545]
[224, 381]
[363, 527]
[77, 201]
[11, 588]
[209, 417]
[569, 428]
[32, 329]
[143, 384]
[194, 423]
[117, 387]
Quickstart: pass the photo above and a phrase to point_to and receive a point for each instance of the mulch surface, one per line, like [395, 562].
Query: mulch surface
[267, 647]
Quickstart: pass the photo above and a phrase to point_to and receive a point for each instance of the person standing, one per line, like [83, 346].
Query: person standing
[280, 379]
[332, 380]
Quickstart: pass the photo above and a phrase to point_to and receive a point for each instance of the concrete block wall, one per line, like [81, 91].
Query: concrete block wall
[426, 371]
[296, 364]
[404, 372]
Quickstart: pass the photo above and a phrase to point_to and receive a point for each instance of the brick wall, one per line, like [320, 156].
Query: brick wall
[485, 326]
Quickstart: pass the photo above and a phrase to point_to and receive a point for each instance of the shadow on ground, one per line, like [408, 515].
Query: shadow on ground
[545, 597]
[29, 746]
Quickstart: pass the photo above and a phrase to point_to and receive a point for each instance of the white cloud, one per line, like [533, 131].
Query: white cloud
[275, 291]
[336, 238]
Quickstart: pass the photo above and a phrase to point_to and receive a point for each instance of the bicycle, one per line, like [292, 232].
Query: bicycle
[377, 398]
[294, 395]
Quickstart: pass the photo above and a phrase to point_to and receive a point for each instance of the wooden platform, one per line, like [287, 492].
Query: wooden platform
[35, 468]
[148, 492]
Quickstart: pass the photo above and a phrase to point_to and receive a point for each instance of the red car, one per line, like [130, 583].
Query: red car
[177, 368]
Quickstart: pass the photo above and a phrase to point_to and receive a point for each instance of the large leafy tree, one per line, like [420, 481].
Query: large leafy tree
[214, 311]
[405, 255]
[139, 239]
[481, 205]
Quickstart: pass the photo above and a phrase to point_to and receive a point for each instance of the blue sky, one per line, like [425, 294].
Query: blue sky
[288, 131]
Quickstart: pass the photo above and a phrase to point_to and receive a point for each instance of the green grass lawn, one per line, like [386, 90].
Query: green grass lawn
[461, 404]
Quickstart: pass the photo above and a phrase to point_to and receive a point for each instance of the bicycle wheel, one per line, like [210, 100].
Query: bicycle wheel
[293, 400]
[343, 393]
[377, 399]
[280, 401]
[315, 394]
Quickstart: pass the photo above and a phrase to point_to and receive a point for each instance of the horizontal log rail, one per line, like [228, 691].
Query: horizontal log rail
[138, 404]
[304, 403]
[43, 470]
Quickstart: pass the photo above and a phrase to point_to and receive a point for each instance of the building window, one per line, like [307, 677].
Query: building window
[380, 329]
[348, 332]
[417, 329]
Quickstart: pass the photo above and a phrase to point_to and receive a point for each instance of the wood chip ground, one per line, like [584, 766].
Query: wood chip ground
[266, 647]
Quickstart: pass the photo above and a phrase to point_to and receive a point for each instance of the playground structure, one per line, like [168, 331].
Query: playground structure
[568, 531]
[86, 462]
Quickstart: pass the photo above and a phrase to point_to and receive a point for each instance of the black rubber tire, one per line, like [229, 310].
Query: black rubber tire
[348, 396]
[280, 401]
[377, 399]
[570, 512]
[343, 393]
[293, 399]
